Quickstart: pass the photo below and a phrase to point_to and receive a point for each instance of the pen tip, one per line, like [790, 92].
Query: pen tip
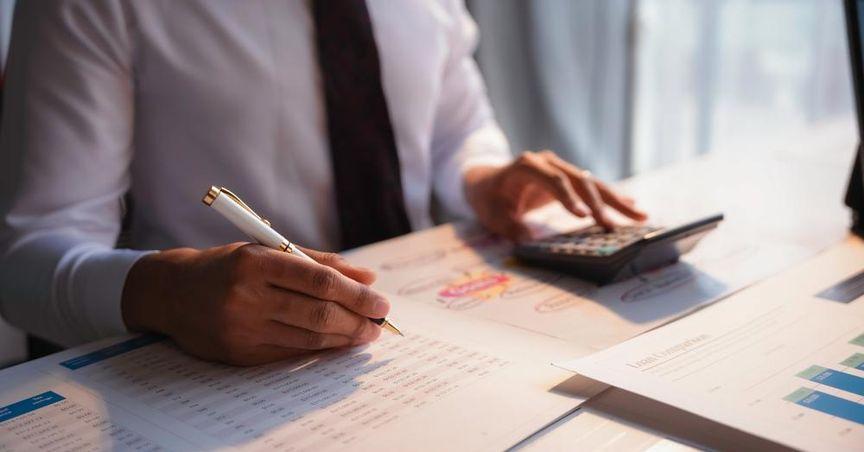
[392, 328]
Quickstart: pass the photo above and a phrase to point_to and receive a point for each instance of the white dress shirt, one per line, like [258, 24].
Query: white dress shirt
[163, 98]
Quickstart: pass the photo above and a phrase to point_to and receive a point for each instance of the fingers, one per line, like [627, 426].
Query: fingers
[569, 184]
[360, 274]
[280, 342]
[539, 169]
[252, 305]
[584, 184]
[511, 228]
[324, 283]
[623, 204]
[281, 335]
[320, 316]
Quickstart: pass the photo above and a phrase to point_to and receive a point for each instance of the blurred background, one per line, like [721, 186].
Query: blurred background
[625, 86]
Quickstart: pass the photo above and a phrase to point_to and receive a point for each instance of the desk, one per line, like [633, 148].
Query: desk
[792, 194]
[766, 225]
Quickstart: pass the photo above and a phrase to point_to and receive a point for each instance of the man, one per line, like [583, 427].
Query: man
[340, 120]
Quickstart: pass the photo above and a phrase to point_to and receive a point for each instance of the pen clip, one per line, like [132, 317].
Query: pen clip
[214, 192]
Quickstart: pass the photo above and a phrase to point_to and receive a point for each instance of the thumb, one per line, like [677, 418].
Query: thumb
[362, 275]
[510, 228]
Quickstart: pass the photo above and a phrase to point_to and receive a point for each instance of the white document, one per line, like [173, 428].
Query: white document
[774, 360]
[455, 384]
[464, 269]
[587, 429]
[41, 412]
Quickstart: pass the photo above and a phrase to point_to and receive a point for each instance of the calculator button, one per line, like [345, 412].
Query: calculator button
[593, 241]
[607, 250]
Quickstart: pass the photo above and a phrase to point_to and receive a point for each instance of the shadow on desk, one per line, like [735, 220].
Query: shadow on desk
[676, 423]
[234, 406]
[660, 294]
[37, 347]
[34, 348]
[461, 267]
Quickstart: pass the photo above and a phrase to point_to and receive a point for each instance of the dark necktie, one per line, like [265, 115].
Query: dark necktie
[362, 145]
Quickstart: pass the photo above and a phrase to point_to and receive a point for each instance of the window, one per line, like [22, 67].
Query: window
[722, 74]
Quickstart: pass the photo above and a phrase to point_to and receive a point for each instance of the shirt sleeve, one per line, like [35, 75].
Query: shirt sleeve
[65, 148]
[465, 133]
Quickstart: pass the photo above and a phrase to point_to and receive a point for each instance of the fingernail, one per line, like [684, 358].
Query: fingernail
[381, 308]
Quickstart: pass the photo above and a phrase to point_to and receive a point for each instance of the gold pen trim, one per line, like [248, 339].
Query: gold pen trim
[389, 326]
[214, 193]
[286, 247]
[211, 195]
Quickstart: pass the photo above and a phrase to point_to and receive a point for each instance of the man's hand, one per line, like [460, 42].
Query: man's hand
[246, 304]
[501, 196]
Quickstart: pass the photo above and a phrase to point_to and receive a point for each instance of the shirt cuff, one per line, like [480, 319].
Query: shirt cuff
[485, 147]
[94, 279]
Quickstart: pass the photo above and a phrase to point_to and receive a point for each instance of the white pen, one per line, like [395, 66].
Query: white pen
[241, 215]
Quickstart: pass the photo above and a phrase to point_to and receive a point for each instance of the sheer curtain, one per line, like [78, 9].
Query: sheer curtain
[722, 74]
[559, 76]
[6, 7]
[622, 87]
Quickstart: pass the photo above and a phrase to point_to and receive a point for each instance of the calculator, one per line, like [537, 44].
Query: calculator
[603, 257]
